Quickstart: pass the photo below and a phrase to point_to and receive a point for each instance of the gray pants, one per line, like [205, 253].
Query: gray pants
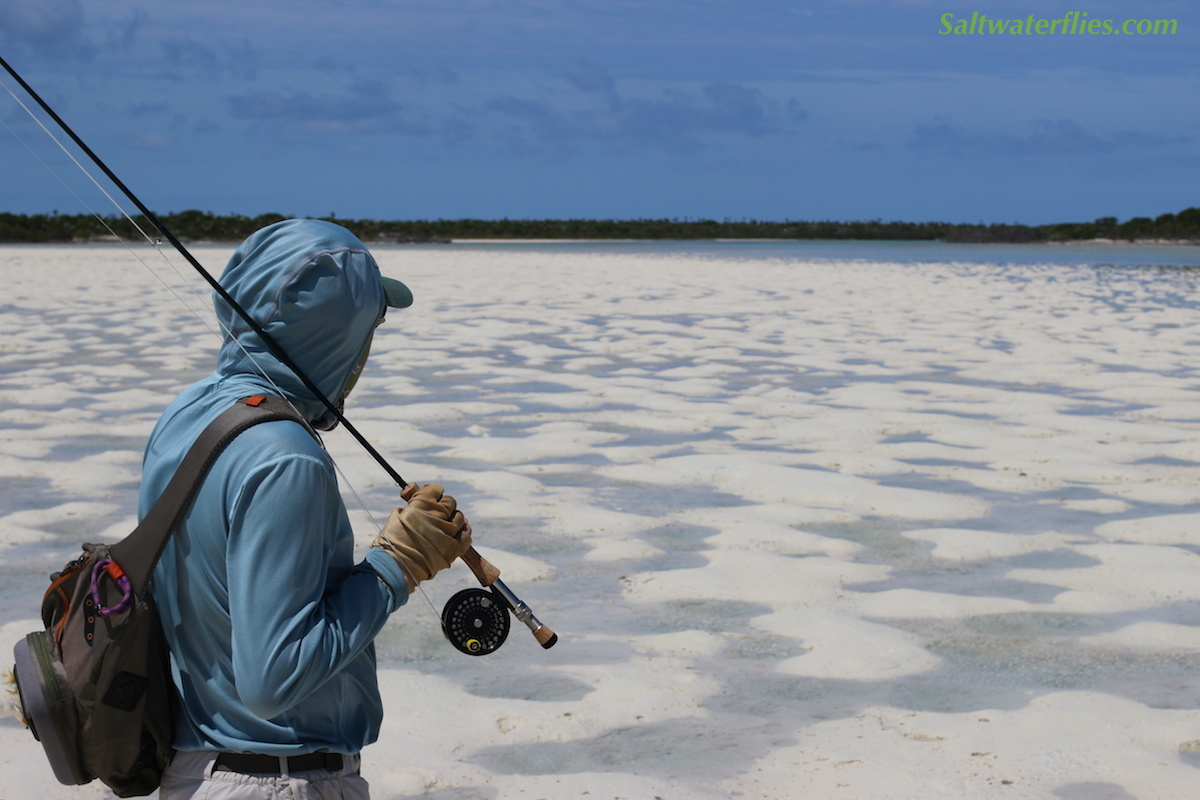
[190, 777]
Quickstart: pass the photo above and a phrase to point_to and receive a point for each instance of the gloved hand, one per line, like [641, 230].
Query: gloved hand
[426, 535]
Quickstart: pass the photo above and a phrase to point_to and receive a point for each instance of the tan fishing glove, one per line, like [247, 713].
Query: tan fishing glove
[426, 535]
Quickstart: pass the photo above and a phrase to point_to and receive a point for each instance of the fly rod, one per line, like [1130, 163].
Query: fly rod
[485, 572]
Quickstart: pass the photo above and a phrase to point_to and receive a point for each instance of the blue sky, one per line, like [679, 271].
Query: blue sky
[836, 109]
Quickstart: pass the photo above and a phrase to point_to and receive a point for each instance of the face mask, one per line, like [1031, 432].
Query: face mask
[328, 421]
[352, 381]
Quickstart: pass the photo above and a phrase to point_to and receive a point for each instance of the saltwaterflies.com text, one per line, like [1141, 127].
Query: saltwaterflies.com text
[1073, 23]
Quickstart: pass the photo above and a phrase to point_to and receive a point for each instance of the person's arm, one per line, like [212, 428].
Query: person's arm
[291, 629]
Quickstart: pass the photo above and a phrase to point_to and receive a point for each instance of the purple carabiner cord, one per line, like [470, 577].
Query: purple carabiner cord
[122, 580]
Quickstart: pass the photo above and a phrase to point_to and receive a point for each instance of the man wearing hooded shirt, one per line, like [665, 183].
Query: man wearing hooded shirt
[269, 621]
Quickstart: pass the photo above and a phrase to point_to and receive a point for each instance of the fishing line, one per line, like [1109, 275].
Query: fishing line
[188, 288]
[266, 339]
[69, 155]
[109, 228]
[153, 242]
[162, 253]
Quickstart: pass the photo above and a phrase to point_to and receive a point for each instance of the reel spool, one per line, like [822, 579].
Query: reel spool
[476, 622]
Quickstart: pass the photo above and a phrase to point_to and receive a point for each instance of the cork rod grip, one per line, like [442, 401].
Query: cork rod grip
[484, 570]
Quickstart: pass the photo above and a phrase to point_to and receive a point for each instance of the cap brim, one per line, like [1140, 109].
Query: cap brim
[398, 295]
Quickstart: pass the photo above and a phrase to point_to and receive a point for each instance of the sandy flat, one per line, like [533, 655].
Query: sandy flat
[835, 529]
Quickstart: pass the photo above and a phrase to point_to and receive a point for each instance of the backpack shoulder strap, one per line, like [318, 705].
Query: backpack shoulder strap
[138, 552]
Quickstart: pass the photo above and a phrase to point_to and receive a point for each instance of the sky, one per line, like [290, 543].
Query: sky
[531, 109]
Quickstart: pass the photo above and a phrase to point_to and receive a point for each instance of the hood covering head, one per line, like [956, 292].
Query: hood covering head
[315, 289]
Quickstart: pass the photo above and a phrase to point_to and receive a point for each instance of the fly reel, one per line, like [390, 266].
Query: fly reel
[476, 622]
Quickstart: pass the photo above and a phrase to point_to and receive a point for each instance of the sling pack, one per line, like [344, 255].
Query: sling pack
[95, 686]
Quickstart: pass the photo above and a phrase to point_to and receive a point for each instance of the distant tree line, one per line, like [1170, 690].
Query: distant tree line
[197, 226]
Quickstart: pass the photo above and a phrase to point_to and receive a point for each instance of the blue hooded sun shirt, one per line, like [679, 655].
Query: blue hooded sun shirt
[269, 621]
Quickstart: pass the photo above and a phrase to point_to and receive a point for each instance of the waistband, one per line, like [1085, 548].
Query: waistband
[257, 764]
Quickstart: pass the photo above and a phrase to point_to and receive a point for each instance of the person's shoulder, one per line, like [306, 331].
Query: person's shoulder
[281, 438]
[280, 452]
